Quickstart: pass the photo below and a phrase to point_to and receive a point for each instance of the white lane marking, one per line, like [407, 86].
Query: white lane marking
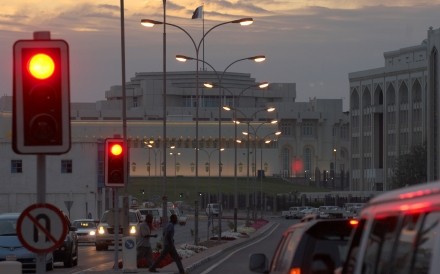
[232, 253]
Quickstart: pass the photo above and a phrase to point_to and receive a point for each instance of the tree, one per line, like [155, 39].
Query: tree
[410, 169]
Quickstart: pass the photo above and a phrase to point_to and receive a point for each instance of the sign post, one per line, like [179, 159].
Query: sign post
[41, 228]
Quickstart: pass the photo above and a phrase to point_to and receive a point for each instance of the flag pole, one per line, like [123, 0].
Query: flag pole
[203, 34]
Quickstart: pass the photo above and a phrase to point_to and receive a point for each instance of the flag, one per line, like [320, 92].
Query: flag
[198, 13]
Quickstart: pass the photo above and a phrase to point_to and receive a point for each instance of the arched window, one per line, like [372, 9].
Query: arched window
[307, 159]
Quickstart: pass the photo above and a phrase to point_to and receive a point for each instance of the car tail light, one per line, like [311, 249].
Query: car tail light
[354, 222]
[295, 270]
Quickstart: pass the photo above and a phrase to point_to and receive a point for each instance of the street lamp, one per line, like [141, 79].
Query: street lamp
[334, 169]
[277, 133]
[248, 121]
[175, 154]
[209, 154]
[256, 58]
[150, 23]
[243, 22]
[261, 85]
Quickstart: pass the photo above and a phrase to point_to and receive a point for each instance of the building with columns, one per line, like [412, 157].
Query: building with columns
[313, 143]
[393, 108]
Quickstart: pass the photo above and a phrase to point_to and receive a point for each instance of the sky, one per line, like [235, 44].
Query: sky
[314, 44]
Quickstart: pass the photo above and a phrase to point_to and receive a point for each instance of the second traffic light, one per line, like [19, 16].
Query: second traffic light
[114, 162]
[41, 101]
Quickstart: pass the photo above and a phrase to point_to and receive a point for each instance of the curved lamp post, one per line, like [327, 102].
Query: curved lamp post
[256, 58]
[151, 23]
[261, 85]
[268, 109]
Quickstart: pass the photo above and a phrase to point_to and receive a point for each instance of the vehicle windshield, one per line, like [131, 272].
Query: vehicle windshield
[132, 217]
[84, 224]
[7, 227]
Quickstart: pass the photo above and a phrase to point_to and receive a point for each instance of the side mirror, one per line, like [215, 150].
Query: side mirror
[258, 263]
[322, 264]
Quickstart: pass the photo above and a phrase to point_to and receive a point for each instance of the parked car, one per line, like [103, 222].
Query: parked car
[105, 233]
[67, 253]
[213, 209]
[86, 230]
[11, 248]
[292, 213]
[398, 232]
[306, 248]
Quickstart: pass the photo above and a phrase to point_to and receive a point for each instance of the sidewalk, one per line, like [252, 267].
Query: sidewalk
[188, 263]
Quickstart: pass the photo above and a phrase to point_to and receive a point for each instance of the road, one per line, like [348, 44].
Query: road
[89, 257]
[237, 260]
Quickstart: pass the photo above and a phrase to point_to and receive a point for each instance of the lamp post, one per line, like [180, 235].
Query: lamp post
[334, 169]
[277, 133]
[236, 104]
[242, 22]
[150, 23]
[184, 58]
[255, 133]
[248, 121]
[175, 154]
[209, 154]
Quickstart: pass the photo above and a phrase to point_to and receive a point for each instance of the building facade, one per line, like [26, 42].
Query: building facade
[393, 108]
[312, 148]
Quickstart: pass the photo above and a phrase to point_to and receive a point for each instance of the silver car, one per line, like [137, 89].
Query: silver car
[86, 230]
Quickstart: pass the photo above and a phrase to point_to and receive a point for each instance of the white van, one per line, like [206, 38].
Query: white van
[213, 209]
[398, 232]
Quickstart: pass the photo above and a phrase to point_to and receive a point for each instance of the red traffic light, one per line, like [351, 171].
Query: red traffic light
[116, 149]
[41, 97]
[41, 66]
[114, 163]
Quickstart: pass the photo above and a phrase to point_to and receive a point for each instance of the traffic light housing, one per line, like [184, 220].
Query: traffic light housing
[41, 97]
[114, 162]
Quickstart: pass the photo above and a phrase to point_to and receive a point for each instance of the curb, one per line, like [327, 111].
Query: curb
[223, 248]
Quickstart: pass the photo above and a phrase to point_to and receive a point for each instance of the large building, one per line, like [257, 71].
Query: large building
[313, 143]
[393, 108]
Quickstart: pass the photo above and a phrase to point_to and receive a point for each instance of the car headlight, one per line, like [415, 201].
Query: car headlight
[101, 230]
[92, 233]
[133, 230]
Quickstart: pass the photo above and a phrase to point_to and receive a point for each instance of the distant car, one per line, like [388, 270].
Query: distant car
[86, 230]
[213, 209]
[181, 218]
[155, 212]
[68, 251]
[11, 248]
[307, 247]
[105, 233]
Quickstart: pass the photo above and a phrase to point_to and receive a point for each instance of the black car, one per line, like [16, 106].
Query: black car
[316, 246]
[68, 251]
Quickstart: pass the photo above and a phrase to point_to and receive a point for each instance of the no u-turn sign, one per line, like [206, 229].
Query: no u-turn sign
[42, 228]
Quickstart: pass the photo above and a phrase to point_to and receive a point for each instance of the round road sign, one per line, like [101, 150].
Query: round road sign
[42, 228]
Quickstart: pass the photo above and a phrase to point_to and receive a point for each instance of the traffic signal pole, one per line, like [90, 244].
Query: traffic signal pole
[41, 106]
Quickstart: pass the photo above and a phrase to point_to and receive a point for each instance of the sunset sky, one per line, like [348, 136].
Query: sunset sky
[314, 44]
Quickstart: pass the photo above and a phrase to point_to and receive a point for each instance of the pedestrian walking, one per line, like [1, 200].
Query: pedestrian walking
[144, 251]
[169, 247]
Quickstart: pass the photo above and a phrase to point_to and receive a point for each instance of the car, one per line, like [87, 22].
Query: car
[213, 209]
[105, 233]
[86, 230]
[398, 232]
[155, 212]
[305, 247]
[11, 248]
[67, 253]
[181, 218]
